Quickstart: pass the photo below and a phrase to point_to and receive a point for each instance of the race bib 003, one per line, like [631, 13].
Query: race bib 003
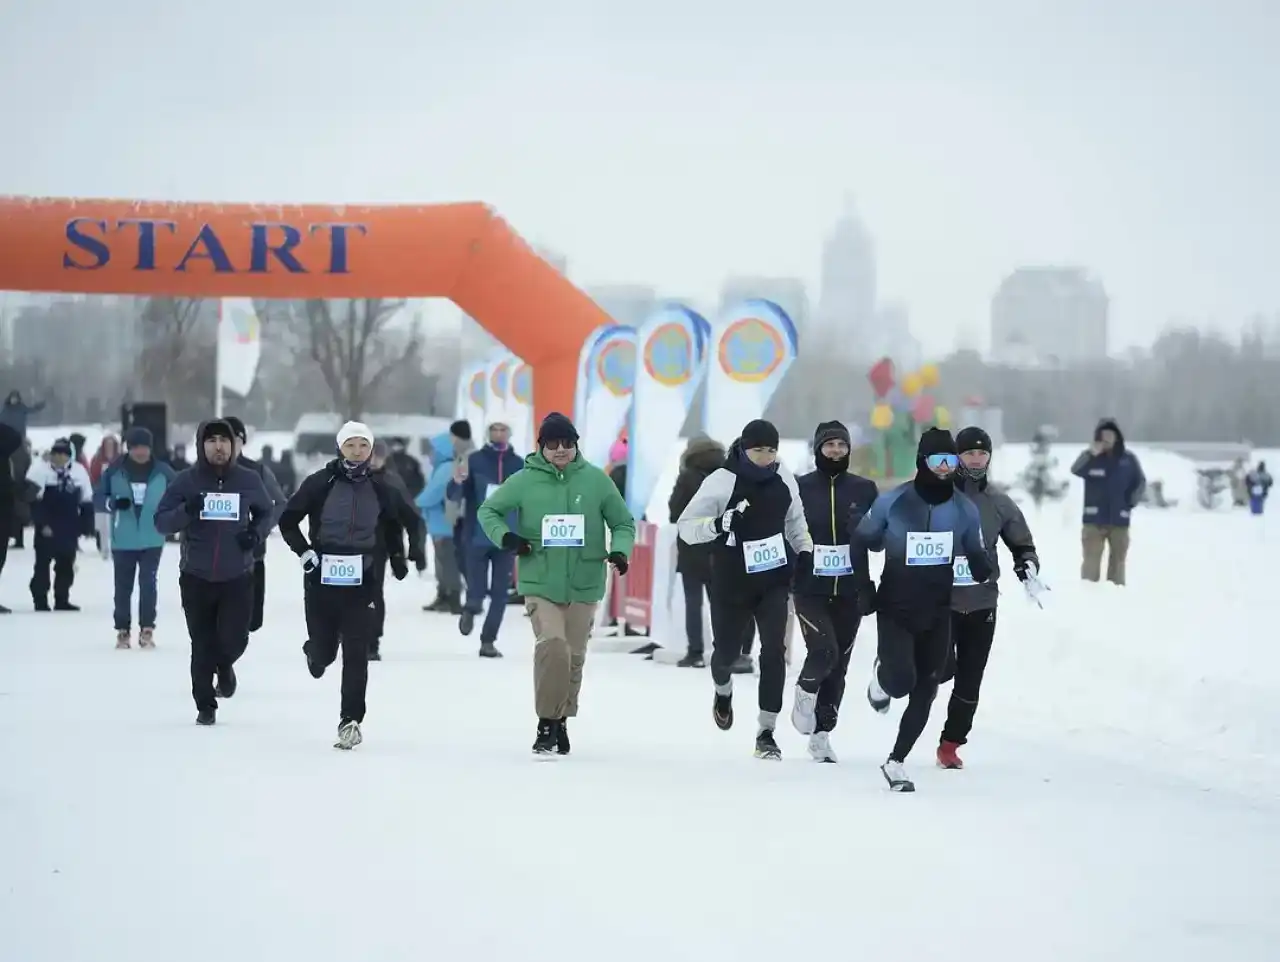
[221, 506]
[831, 560]
[342, 570]
[563, 530]
[928, 548]
[764, 555]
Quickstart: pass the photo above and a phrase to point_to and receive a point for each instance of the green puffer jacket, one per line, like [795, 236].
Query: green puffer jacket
[561, 574]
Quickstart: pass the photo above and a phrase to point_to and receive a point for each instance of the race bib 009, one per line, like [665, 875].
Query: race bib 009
[342, 570]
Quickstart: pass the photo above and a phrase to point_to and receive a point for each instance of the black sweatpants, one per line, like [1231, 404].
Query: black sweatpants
[696, 586]
[259, 594]
[344, 617]
[48, 553]
[731, 617]
[829, 625]
[971, 638]
[218, 615]
[911, 664]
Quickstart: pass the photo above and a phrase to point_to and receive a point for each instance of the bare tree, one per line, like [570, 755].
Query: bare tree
[357, 349]
[178, 353]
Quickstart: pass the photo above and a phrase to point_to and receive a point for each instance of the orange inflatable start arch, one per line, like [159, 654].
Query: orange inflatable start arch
[464, 252]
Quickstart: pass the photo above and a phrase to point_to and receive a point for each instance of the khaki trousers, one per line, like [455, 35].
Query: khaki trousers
[562, 632]
[1095, 537]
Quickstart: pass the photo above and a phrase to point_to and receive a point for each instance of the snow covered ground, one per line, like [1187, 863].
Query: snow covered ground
[1121, 798]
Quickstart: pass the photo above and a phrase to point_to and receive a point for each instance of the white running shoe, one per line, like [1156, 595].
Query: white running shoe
[803, 715]
[877, 696]
[349, 735]
[820, 749]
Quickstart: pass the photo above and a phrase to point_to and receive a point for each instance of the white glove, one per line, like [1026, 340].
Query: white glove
[310, 561]
[726, 519]
[1035, 588]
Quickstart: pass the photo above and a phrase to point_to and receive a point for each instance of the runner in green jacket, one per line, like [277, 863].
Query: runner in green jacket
[564, 505]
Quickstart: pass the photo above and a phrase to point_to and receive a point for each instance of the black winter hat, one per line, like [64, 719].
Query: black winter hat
[759, 434]
[973, 439]
[216, 429]
[461, 430]
[555, 427]
[138, 437]
[63, 446]
[237, 428]
[935, 441]
[830, 431]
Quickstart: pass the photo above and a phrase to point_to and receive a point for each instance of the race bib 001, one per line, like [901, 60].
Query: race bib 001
[764, 555]
[831, 560]
[928, 548]
[962, 577]
[563, 530]
[139, 491]
[342, 570]
[221, 506]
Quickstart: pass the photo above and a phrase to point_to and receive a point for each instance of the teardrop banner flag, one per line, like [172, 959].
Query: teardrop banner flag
[753, 345]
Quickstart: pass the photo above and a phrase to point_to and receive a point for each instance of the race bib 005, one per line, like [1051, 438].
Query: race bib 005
[928, 548]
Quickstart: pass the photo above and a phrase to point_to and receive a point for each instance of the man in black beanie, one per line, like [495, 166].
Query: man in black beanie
[973, 605]
[831, 600]
[278, 499]
[919, 526]
[750, 511]
[570, 522]
[223, 513]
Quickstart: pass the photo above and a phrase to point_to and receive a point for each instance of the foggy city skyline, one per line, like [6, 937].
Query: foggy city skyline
[670, 150]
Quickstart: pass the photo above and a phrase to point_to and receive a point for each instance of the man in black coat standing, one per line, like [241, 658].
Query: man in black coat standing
[693, 562]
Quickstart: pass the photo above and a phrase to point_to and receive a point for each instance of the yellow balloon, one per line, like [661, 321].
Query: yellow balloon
[912, 385]
[882, 417]
[929, 375]
[942, 417]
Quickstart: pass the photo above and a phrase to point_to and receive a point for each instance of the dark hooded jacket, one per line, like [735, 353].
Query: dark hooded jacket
[834, 503]
[700, 458]
[210, 549]
[278, 499]
[372, 524]
[921, 526]
[1001, 519]
[1113, 481]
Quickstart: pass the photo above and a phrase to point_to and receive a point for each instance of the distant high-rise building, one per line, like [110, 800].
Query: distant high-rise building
[789, 293]
[847, 296]
[1047, 316]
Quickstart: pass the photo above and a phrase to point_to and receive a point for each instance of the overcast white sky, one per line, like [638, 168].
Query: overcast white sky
[674, 143]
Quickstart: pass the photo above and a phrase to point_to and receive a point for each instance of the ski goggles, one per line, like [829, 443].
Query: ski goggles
[935, 461]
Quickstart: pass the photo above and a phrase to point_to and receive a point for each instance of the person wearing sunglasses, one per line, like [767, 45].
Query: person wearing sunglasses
[921, 527]
[973, 605]
[570, 519]
[751, 512]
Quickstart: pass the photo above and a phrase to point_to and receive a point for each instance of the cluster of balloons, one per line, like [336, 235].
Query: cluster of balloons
[907, 398]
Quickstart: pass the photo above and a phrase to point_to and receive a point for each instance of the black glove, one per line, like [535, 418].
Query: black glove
[513, 542]
[804, 566]
[867, 597]
[122, 504]
[1020, 566]
[248, 539]
[399, 567]
[420, 564]
[619, 562]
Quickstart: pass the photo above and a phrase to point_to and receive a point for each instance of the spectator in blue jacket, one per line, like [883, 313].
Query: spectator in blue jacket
[488, 567]
[1113, 487]
[61, 515]
[431, 503]
[130, 491]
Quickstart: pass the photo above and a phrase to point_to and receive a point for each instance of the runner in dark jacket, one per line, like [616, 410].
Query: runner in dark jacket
[830, 601]
[920, 526]
[354, 518]
[973, 605]
[415, 533]
[223, 513]
[750, 511]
